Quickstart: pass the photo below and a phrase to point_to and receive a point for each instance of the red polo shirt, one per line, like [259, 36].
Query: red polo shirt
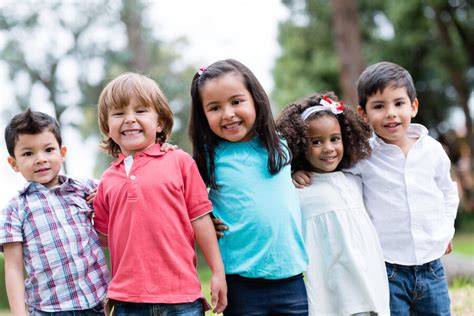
[147, 218]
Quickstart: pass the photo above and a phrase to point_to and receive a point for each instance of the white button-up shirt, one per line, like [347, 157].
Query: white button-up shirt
[411, 200]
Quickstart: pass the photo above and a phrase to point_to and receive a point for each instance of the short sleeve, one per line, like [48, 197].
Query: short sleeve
[195, 191]
[11, 224]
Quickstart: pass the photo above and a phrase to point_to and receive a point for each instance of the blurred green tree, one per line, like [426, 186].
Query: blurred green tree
[433, 39]
[63, 53]
[321, 43]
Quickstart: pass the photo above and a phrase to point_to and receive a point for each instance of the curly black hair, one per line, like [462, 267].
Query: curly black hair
[355, 132]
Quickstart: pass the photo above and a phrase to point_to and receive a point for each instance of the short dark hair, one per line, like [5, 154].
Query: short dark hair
[375, 78]
[355, 133]
[203, 138]
[30, 122]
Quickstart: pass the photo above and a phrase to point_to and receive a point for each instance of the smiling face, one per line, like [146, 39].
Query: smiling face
[38, 158]
[134, 126]
[389, 112]
[229, 107]
[326, 149]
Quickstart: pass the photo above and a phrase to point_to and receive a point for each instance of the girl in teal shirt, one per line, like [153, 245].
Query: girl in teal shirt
[246, 165]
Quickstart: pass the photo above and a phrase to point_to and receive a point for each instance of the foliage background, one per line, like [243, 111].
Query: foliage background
[65, 52]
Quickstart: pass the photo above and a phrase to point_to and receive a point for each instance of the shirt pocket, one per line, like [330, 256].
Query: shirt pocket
[80, 212]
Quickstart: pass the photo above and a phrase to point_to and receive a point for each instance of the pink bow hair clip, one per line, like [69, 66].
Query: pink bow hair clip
[201, 70]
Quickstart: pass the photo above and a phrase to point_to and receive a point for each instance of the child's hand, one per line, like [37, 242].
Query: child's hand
[167, 147]
[449, 248]
[301, 179]
[218, 292]
[90, 198]
[219, 226]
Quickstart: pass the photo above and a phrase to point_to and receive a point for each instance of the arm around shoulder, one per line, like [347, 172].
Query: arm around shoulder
[14, 278]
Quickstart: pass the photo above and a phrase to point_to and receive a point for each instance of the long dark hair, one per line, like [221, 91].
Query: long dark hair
[205, 141]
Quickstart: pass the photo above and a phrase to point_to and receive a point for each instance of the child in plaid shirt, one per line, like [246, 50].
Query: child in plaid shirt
[47, 229]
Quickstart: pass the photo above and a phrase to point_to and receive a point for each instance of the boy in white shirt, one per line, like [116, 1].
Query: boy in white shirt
[408, 192]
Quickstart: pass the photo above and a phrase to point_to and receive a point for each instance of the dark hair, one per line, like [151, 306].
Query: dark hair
[377, 77]
[30, 122]
[355, 132]
[117, 94]
[205, 141]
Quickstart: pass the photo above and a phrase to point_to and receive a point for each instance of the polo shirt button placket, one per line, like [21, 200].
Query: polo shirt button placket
[132, 177]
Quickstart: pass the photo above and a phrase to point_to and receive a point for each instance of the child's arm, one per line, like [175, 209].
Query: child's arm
[447, 186]
[14, 278]
[103, 240]
[449, 248]
[206, 239]
[91, 196]
[301, 179]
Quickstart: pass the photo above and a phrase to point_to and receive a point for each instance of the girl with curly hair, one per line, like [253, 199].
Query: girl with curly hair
[346, 273]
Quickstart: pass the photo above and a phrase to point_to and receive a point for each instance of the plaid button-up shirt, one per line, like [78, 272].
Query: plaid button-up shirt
[66, 268]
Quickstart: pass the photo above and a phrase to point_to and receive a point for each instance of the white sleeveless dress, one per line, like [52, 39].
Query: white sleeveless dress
[346, 272]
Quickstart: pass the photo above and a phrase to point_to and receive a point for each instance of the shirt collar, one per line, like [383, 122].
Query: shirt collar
[153, 151]
[65, 183]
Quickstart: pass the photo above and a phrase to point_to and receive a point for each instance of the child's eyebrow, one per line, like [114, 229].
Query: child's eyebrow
[230, 98]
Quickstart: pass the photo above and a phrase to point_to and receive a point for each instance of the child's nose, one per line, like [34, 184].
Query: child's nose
[130, 117]
[391, 111]
[328, 147]
[40, 158]
[228, 112]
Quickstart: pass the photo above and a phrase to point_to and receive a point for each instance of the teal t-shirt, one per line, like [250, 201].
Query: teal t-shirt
[262, 212]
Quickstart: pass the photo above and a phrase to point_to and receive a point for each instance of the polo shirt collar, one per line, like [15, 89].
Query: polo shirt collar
[153, 151]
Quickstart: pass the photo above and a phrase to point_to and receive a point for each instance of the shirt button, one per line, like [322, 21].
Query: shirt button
[132, 177]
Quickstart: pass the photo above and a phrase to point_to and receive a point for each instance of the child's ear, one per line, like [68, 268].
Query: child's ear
[63, 153]
[12, 163]
[414, 107]
[362, 113]
[159, 127]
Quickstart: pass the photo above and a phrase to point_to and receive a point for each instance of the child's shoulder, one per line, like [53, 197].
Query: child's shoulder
[178, 154]
[83, 184]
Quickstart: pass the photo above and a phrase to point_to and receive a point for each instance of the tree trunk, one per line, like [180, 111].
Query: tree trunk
[347, 40]
[132, 17]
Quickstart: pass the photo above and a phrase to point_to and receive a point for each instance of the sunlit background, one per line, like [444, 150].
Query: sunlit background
[57, 55]
[198, 32]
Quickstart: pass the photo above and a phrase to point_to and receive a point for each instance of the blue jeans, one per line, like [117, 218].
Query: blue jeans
[95, 311]
[143, 309]
[248, 296]
[418, 290]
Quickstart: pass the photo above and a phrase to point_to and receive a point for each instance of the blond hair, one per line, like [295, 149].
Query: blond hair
[117, 94]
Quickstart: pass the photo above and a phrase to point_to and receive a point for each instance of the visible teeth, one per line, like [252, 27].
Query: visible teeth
[232, 125]
[127, 133]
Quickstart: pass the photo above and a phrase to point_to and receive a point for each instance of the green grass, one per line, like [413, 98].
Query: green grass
[3, 291]
[464, 243]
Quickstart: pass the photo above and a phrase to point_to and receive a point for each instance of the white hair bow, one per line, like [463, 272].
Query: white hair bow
[325, 104]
